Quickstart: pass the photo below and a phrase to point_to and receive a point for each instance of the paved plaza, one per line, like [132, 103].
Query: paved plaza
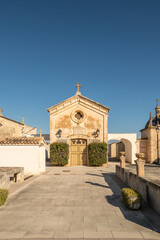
[73, 202]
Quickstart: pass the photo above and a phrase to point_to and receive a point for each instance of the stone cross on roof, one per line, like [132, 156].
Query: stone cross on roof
[40, 133]
[157, 108]
[157, 100]
[78, 85]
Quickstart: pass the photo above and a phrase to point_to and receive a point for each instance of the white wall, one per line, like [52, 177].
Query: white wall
[32, 158]
[130, 142]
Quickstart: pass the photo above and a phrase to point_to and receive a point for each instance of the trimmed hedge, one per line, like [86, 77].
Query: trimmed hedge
[3, 196]
[97, 153]
[131, 198]
[59, 154]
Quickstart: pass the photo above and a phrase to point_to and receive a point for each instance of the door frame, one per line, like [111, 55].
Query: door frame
[79, 152]
[78, 136]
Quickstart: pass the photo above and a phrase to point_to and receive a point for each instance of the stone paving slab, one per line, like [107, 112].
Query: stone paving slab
[84, 202]
[46, 237]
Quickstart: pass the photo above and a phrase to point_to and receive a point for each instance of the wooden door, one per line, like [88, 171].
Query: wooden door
[78, 152]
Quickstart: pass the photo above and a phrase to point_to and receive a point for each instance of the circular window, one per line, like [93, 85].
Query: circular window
[77, 116]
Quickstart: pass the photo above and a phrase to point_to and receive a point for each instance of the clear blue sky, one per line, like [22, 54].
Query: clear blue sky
[111, 47]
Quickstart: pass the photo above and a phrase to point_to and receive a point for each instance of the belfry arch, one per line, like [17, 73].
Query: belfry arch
[129, 140]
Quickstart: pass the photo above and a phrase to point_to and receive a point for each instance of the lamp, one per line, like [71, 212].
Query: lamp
[58, 134]
[96, 133]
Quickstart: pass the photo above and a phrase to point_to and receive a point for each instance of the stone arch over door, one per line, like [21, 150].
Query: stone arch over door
[129, 141]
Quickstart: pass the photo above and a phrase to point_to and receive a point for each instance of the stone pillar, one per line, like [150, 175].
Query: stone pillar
[122, 159]
[150, 145]
[40, 132]
[158, 143]
[140, 164]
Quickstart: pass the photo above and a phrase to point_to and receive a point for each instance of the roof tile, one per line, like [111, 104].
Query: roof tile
[23, 141]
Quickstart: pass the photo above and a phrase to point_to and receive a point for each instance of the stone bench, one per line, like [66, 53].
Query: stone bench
[10, 175]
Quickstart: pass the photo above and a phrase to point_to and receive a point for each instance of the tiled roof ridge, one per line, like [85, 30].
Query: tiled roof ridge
[23, 141]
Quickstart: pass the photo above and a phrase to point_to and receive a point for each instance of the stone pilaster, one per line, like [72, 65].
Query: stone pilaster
[150, 145]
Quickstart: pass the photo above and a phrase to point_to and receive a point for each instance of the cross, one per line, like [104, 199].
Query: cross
[157, 100]
[78, 85]
[40, 132]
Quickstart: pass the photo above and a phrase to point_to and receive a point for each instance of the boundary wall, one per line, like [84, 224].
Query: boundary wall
[149, 191]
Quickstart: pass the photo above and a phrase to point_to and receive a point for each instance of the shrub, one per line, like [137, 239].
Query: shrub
[59, 154]
[3, 196]
[97, 153]
[131, 198]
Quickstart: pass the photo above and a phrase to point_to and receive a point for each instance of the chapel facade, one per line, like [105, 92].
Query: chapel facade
[78, 121]
[149, 143]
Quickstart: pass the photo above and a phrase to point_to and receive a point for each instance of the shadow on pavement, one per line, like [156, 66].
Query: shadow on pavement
[97, 184]
[145, 217]
[131, 215]
[92, 174]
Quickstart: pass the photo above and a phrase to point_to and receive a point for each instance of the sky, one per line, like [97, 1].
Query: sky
[112, 47]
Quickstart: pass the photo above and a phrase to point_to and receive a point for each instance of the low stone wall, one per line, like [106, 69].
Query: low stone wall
[149, 191]
[10, 175]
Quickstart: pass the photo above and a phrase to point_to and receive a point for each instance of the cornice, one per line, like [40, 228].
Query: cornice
[78, 99]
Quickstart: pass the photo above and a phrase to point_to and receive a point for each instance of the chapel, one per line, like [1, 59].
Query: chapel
[149, 143]
[10, 128]
[78, 121]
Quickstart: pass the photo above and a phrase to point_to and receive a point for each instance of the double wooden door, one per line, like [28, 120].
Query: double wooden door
[78, 152]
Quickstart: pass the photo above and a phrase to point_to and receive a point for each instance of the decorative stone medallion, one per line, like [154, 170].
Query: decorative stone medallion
[78, 116]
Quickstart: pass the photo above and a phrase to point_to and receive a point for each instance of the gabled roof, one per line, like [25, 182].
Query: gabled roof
[12, 120]
[80, 97]
[9, 119]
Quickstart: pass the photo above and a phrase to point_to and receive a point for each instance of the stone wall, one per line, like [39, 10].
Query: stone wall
[142, 147]
[147, 144]
[149, 191]
[112, 150]
[115, 149]
[144, 133]
[10, 128]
